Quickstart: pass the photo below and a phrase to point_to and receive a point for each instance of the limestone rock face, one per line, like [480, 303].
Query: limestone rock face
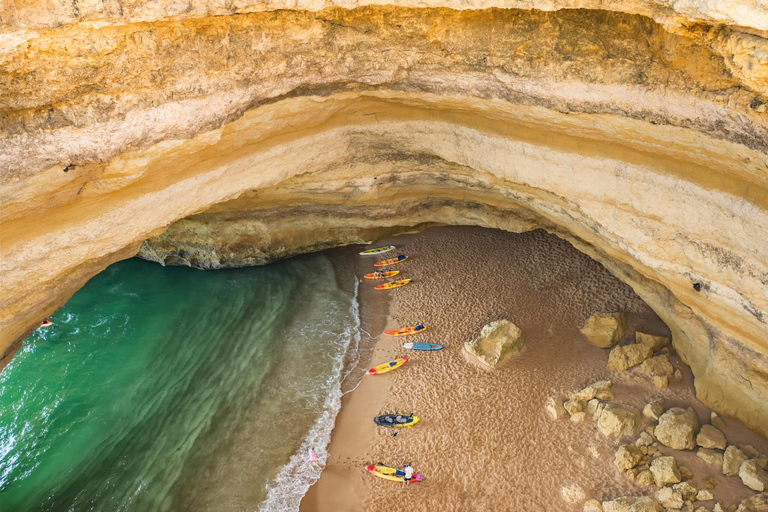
[497, 342]
[618, 420]
[221, 134]
[605, 329]
[677, 428]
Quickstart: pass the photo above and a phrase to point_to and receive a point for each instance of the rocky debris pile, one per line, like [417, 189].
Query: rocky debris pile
[624, 357]
[594, 400]
[605, 329]
[497, 342]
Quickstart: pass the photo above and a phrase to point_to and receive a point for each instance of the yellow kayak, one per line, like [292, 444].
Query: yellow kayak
[406, 331]
[390, 261]
[378, 250]
[387, 367]
[393, 474]
[381, 274]
[393, 284]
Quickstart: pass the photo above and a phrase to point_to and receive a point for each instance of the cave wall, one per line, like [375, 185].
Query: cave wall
[225, 138]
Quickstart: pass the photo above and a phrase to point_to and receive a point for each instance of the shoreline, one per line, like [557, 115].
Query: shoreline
[485, 442]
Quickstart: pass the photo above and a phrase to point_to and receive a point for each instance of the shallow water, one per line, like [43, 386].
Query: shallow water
[176, 389]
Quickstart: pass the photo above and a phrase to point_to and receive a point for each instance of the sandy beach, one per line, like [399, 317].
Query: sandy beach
[485, 442]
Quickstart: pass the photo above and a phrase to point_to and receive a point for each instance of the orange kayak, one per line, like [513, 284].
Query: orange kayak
[406, 331]
[390, 261]
[387, 367]
[381, 274]
[393, 284]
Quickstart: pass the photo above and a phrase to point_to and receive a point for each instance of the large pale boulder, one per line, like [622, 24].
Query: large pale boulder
[710, 456]
[677, 428]
[605, 329]
[665, 471]
[497, 342]
[753, 476]
[710, 437]
[618, 420]
[733, 458]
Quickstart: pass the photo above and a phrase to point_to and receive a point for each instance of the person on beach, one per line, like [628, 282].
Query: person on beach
[313, 458]
[408, 474]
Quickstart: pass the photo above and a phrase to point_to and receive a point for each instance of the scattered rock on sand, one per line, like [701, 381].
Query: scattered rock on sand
[710, 437]
[733, 458]
[625, 357]
[688, 489]
[579, 416]
[618, 420]
[665, 471]
[710, 456]
[704, 495]
[554, 408]
[573, 494]
[753, 476]
[654, 409]
[605, 329]
[677, 428]
[497, 342]
[717, 421]
[602, 390]
[671, 498]
[641, 504]
[628, 456]
[645, 477]
[660, 369]
[645, 439]
[572, 406]
[593, 506]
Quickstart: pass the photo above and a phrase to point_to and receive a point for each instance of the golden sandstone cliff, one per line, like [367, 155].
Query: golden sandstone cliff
[234, 133]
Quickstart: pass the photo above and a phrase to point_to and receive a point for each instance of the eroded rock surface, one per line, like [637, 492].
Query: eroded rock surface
[212, 135]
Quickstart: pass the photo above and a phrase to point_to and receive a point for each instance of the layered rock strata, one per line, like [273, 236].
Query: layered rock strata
[230, 139]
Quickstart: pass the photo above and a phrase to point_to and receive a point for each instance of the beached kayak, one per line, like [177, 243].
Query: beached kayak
[387, 367]
[381, 275]
[46, 323]
[422, 346]
[391, 261]
[406, 331]
[378, 250]
[396, 420]
[393, 474]
[393, 284]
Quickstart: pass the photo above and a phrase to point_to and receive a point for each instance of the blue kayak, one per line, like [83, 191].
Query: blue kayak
[422, 346]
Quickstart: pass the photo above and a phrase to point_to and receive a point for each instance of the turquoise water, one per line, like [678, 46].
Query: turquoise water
[178, 389]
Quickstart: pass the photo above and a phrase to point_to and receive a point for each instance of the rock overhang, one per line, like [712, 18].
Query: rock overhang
[643, 144]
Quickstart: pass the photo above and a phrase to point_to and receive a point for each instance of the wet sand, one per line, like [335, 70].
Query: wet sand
[485, 442]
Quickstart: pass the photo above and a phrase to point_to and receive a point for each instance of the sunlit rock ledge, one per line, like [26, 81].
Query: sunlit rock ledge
[234, 140]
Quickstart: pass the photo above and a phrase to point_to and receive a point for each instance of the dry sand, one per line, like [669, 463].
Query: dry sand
[485, 442]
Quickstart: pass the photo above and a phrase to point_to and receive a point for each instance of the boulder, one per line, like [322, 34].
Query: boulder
[654, 409]
[641, 504]
[624, 357]
[660, 369]
[671, 498]
[600, 390]
[605, 329]
[645, 439]
[578, 416]
[618, 420]
[573, 494]
[593, 506]
[753, 476]
[497, 342]
[710, 456]
[572, 406]
[705, 495]
[665, 471]
[654, 342]
[554, 408]
[717, 421]
[733, 458]
[677, 428]
[628, 456]
[688, 489]
[710, 437]
[645, 477]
